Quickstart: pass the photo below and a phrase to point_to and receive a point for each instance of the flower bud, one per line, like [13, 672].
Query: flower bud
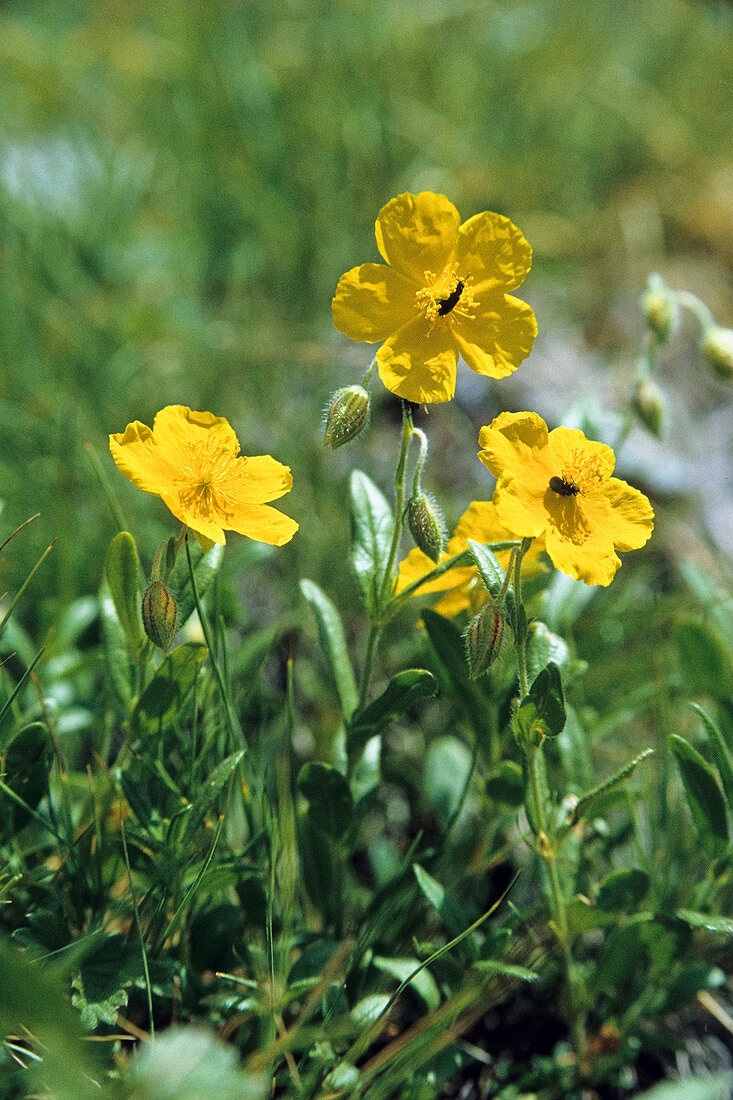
[483, 638]
[426, 524]
[346, 416]
[661, 308]
[717, 347]
[160, 611]
[649, 405]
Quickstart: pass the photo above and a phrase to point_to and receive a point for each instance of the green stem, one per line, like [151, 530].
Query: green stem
[696, 306]
[520, 635]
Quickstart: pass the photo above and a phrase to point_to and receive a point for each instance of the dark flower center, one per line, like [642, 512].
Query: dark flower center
[563, 488]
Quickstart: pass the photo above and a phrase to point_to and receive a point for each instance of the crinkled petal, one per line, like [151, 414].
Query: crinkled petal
[493, 252]
[591, 559]
[419, 364]
[631, 515]
[417, 564]
[371, 302]
[418, 233]
[498, 334]
[257, 480]
[177, 429]
[514, 447]
[264, 524]
[571, 450]
[139, 457]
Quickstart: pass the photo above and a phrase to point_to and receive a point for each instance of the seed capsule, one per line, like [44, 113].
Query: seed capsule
[649, 405]
[483, 637]
[661, 308]
[426, 524]
[160, 612]
[346, 416]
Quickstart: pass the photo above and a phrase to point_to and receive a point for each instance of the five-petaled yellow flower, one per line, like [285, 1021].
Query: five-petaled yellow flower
[462, 584]
[441, 293]
[559, 484]
[192, 461]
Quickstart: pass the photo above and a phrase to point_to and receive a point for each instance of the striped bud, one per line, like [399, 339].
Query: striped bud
[649, 405]
[346, 416]
[661, 308]
[483, 639]
[426, 524]
[160, 611]
[717, 347]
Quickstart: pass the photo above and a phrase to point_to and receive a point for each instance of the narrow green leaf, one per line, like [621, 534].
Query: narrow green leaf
[205, 568]
[543, 647]
[116, 649]
[210, 791]
[589, 798]
[25, 767]
[720, 752]
[372, 526]
[163, 698]
[122, 570]
[329, 797]
[704, 658]
[508, 970]
[449, 909]
[409, 971]
[707, 921]
[447, 642]
[401, 692]
[704, 795]
[333, 644]
[447, 773]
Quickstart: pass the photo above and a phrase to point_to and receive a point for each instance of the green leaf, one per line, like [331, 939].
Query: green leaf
[24, 767]
[582, 916]
[724, 925]
[116, 649]
[542, 713]
[488, 566]
[187, 1063]
[716, 1087]
[720, 752]
[163, 698]
[423, 982]
[372, 527]
[704, 658]
[623, 890]
[449, 909]
[448, 766]
[205, 568]
[543, 647]
[686, 985]
[588, 799]
[329, 797]
[122, 570]
[401, 692]
[210, 791]
[505, 783]
[448, 644]
[704, 796]
[333, 644]
[508, 970]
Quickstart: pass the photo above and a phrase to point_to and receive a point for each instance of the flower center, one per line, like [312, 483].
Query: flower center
[443, 295]
[579, 476]
[563, 488]
[203, 479]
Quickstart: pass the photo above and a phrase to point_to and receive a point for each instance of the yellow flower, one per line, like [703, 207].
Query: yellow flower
[463, 587]
[559, 484]
[192, 461]
[441, 293]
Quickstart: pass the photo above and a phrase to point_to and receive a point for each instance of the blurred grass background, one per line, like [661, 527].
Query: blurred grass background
[182, 182]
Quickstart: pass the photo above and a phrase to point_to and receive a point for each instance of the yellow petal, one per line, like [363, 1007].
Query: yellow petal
[177, 429]
[592, 561]
[265, 524]
[206, 524]
[418, 233]
[371, 302]
[419, 364]
[632, 518]
[454, 602]
[493, 251]
[517, 443]
[571, 451]
[257, 480]
[498, 334]
[138, 456]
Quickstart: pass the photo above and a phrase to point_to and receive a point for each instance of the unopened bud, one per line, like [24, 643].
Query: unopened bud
[346, 416]
[426, 524]
[717, 347]
[483, 638]
[160, 612]
[649, 405]
[661, 308]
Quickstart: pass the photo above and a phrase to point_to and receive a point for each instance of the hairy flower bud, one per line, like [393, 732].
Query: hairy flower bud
[160, 612]
[483, 638]
[649, 405]
[426, 524]
[661, 308]
[346, 416]
[717, 347]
